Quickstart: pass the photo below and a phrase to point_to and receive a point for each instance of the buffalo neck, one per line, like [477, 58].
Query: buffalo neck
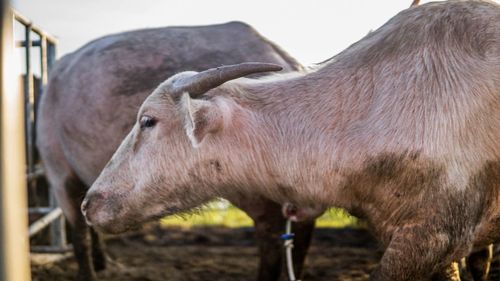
[299, 140]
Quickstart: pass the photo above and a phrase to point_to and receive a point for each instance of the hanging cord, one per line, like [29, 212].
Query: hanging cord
[288, 244]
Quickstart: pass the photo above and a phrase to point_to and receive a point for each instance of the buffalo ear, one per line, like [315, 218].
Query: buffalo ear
[201, 117]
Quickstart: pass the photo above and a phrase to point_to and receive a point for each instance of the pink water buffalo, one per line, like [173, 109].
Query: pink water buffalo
[91, 104]
[402, 128]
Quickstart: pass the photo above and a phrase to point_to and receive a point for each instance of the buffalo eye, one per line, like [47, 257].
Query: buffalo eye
[147, 122]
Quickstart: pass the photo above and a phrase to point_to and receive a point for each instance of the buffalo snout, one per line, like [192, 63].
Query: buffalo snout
[89, 204]
[104, 212]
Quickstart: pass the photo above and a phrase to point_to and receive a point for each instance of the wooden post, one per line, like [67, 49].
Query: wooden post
[14, 248]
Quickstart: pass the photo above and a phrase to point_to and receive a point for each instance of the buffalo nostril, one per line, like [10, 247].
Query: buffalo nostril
[89, 203]
[91, 199]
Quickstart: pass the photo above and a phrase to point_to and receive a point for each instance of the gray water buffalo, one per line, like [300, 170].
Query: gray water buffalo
[402, 128]
[91, 104]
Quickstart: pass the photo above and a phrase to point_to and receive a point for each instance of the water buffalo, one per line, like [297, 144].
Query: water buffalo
[401, 128]
[91, 104]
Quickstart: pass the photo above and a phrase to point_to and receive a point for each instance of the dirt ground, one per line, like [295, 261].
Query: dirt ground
[216, 253]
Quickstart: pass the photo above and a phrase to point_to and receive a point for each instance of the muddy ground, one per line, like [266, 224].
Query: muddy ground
[216, 253]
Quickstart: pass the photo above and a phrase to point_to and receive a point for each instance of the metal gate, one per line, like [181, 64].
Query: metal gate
[37, 50]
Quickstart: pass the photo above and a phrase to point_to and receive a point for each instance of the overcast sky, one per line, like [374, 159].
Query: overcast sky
[311, 31]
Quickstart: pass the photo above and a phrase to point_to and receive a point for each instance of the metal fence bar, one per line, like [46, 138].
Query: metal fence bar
[51, 249]
[25, 21]
[44, 221]
[39, 210]
[47, 45]
[43, 56]
[51, 54]
[29, 114]
[14, 249]
[37, 173]
[34, 43]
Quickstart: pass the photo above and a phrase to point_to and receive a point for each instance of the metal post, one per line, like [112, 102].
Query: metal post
[14, 249]
[51, 55]
[43, 56]
[29, 95]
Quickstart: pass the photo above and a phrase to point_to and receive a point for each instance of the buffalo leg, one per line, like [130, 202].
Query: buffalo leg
[267, 232]
[269, 225]
[70, 195]
[413, 254]
[98, 256]
[69, 191]
[81, 246]
[272, 262]
[303, 235]
[268, 229]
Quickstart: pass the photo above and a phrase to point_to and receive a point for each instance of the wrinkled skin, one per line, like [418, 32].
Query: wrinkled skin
[400, 129]
[92, 101]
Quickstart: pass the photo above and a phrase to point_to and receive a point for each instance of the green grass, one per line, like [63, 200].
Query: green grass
[230, 216]
[337, 218]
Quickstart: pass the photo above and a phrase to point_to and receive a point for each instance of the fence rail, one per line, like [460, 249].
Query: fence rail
[35, 39]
